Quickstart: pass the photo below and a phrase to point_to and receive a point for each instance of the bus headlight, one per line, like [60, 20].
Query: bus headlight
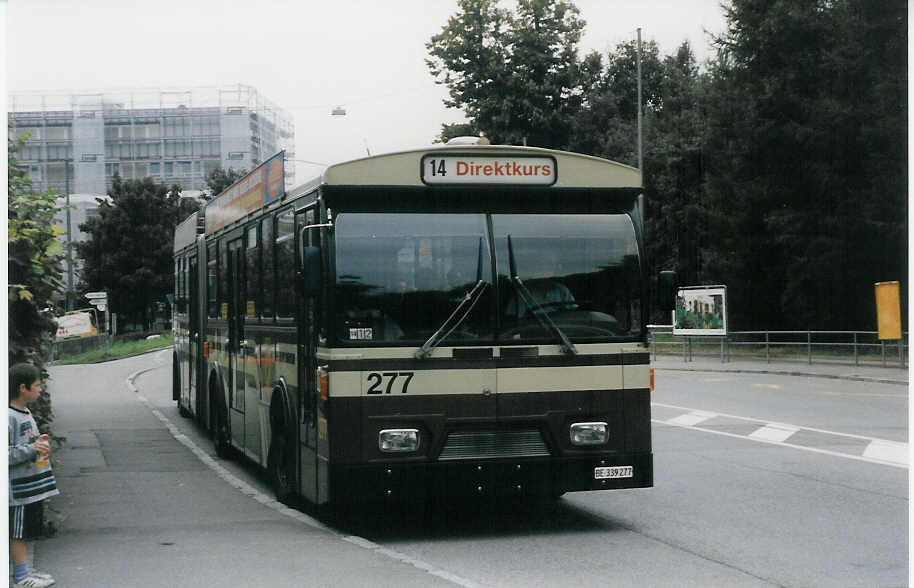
[589, 433]
[398, 440]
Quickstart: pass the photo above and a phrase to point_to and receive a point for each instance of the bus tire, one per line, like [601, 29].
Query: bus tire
[175, 378]
[281, 458]
[219, 422]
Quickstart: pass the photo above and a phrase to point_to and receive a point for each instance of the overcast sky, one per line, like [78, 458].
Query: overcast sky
[305, 56]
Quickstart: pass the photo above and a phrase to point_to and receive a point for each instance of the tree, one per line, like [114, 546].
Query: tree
[219, 179]
[129, 249]
[516, 75]
[806, 167]
[35, 256]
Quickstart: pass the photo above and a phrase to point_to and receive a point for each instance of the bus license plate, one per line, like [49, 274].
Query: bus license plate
[613, 472]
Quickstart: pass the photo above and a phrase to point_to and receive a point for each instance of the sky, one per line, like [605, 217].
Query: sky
[305, 56]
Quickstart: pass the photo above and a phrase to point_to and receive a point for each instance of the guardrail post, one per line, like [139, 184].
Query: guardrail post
[856, 360]
[722, 349]
[809, 346]
[690, 349]
[901, 351]
[767, 349]
[882, 343]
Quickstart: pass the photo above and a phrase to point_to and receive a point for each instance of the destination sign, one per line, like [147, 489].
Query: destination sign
[263, 185]
[488, 169]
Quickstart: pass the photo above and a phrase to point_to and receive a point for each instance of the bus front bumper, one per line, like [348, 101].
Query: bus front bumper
[496, 478]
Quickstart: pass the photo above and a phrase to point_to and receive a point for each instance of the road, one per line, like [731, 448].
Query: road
[760, 480]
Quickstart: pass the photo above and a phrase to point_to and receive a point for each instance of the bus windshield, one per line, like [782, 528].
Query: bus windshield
[582, 271]
[399, 276]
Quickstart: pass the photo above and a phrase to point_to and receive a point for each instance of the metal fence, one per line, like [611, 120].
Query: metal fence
[859, 347]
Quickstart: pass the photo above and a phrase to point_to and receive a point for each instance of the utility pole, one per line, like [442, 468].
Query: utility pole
[69, 242]
[640, 156]
[640, 151]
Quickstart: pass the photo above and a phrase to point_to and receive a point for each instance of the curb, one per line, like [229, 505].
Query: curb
[854, 378]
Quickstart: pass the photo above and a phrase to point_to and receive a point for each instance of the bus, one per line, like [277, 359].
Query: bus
[461, 320]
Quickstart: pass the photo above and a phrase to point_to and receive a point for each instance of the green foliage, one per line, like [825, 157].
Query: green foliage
[807, 158]
[119, 350]
[219, 179]
[129, 249]
[34, 262]
[516, 74]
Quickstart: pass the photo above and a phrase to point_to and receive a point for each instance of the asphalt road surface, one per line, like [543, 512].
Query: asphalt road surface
[760, 480]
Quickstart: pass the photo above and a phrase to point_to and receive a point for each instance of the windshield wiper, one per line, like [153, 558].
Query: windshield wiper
[530, 300]
[460, 313]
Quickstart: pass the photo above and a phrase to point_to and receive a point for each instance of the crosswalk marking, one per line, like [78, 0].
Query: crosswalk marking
[692, 418]
[885, 450]
[774, 432]
[881, 451]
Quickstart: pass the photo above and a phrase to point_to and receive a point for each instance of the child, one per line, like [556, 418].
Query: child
[30, 475]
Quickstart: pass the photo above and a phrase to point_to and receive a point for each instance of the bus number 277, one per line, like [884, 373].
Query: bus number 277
[376, 380]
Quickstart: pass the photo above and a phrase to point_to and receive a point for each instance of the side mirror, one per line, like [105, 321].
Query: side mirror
[667, 283]
[311, 270]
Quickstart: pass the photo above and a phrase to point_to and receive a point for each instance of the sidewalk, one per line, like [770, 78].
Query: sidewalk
[140, 508]
[821, 369]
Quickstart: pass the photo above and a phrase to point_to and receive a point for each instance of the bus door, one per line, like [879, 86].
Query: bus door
[308, 244]
[236, 336]
[193, 335]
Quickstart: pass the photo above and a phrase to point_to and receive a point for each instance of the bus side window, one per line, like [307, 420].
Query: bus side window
[266, 240]
[211, 280]
[253, 292]
[223, 288]
[285, 264]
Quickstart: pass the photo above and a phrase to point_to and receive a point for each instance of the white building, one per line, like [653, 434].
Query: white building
[79, 141]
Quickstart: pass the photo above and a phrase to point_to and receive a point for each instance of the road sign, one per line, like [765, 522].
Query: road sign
[103, 307]
[93, 295]
[99, 302]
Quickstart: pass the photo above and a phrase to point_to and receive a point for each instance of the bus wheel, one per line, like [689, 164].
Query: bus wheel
[175, 378]
[219, 421]
[280, 460]
[282, 472]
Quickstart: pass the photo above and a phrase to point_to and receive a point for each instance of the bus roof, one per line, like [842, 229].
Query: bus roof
[410, 168]
[186, 232]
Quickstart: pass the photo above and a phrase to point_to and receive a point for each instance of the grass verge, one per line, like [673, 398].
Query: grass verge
[118, 351]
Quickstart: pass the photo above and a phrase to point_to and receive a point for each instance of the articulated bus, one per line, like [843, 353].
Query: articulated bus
[462, 320]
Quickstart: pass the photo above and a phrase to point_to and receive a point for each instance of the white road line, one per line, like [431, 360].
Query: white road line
[880, 451]
[281, 508]
[774, 432]
[692, 418]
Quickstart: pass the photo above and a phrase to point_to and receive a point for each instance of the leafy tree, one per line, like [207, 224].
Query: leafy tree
[515, 74]
[806, 167]
[34, 259]
[219, 179]
[129, 249]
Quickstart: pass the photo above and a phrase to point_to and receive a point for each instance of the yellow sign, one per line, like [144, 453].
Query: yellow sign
[250, 309]
[888, 310]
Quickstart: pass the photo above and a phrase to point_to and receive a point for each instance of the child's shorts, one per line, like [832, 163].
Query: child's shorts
[27, 521]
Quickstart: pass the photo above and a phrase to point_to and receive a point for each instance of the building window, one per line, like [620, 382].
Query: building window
[236, 155]
[184, 169]
[155, 169]
[112, 169]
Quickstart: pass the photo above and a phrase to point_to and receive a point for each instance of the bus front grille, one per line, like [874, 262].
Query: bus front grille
[480, 444]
